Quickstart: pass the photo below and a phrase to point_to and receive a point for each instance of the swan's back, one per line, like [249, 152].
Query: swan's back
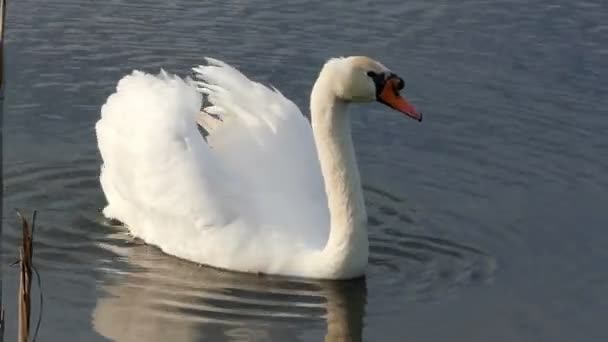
[251, 199]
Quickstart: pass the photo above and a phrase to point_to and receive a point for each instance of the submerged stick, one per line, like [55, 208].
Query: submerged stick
[25, 283]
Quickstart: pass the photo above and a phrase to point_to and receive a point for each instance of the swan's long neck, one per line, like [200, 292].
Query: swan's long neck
[332, 134]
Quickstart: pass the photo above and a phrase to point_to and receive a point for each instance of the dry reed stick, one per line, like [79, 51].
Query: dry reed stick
[2, 325]
[25, 284]
[2, 20]
[2, 17]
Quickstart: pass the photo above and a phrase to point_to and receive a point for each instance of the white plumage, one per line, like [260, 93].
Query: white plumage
[252, 197]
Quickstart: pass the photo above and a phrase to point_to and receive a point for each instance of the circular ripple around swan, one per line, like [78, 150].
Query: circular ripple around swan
[408, 261]
[66, 196]
[168, 292]
[171, 299]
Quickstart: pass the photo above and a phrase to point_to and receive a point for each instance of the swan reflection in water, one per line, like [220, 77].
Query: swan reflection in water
[162, 298]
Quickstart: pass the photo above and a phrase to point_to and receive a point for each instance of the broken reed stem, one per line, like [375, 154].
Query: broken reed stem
[25, 283]
[2, 324]
[2, 20]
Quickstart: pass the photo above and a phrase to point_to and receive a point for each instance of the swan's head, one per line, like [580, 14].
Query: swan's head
[362, 79]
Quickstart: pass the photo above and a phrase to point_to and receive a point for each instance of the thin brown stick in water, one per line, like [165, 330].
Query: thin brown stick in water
[2, 17]
[25, 284]
[2, 20]
[2, 324]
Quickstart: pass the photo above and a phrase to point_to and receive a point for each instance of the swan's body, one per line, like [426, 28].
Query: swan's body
[265, 193]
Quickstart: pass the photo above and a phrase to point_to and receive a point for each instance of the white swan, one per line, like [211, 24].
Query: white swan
[265, 193]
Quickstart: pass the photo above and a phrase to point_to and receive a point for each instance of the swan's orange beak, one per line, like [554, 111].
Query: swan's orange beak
[389, 95]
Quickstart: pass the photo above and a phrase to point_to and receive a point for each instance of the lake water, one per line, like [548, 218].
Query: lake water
[488, 220]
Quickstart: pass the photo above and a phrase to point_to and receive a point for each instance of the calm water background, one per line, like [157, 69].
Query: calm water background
[487, 220]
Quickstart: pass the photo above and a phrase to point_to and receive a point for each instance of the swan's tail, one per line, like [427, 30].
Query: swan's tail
[155, 162]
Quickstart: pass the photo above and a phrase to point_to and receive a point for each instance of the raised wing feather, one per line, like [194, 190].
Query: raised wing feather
[256, 179]
[264, 138]
[156, 165]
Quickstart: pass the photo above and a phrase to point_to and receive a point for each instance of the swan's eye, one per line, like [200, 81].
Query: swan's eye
[371, 74]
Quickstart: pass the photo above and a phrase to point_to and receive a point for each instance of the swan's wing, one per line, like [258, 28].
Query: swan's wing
[263, 137]
[157, 169]
[241, 203]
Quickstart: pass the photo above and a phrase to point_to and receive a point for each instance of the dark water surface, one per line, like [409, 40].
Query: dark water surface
[488, 221]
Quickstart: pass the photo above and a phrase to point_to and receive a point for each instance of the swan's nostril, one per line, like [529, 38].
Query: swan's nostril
[400, 84]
